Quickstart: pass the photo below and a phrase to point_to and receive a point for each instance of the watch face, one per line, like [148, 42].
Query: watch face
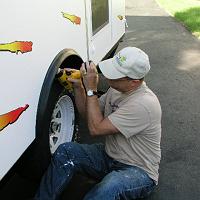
[89, 92]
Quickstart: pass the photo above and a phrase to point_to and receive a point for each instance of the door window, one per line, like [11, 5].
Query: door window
[100, 15]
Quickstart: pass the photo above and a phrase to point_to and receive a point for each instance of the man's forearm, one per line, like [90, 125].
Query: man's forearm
[94, 115]
[80, 100]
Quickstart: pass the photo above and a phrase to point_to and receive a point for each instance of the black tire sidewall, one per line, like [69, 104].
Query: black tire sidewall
[37, 158]
[57, 91]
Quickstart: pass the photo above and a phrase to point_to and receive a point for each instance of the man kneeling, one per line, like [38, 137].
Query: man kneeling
[129, 116]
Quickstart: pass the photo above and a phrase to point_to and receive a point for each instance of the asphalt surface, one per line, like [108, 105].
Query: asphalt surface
[174, 77]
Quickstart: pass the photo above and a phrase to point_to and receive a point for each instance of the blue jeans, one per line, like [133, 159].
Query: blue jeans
[116, 180]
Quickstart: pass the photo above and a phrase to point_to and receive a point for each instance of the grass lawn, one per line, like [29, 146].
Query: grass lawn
[186, 11]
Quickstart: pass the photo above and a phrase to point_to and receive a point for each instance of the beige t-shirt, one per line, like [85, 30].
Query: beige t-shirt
[138, 118]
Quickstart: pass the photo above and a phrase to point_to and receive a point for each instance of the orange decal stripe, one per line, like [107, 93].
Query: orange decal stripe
[11, 117]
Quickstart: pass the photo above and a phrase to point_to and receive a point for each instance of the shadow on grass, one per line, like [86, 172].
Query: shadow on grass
[191, 19]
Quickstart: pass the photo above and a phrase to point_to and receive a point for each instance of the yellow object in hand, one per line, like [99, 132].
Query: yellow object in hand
[64, 75]
[76, 74]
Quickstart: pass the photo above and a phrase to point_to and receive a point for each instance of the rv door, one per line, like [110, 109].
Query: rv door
[98, 14]
[118, 19]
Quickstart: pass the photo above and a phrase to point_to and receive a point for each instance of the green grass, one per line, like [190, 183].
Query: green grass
[185, 11]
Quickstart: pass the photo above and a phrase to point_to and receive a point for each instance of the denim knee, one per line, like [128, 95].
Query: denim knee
[64, 153]
[65, 148]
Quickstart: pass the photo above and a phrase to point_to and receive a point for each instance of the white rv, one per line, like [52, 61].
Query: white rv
[36, 38]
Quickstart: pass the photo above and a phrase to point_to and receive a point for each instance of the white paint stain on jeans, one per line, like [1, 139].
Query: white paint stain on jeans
[69, 163]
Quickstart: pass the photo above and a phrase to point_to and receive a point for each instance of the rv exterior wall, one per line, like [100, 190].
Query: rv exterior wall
[45, 28]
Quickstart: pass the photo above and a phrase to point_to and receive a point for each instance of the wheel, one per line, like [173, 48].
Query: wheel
[59, 126]
[63, 127]
[57, 119]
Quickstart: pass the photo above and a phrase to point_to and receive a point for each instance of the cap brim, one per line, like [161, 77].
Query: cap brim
[109, 70]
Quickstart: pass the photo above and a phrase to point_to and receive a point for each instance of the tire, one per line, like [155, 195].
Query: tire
[36, 159]
[49, 132]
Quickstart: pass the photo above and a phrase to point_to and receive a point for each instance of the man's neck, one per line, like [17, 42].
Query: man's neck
[132, 89]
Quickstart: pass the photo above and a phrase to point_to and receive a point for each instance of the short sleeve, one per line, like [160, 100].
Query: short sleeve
[102, 102]
[130, 119]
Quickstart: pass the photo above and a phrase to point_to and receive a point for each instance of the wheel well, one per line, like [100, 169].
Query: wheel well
[66, 58]
[35, 160]
[72, 61]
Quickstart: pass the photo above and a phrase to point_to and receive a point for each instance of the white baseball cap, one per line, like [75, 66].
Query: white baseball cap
[129, 62]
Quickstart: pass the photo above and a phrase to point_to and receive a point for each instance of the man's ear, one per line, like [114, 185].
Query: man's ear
[135, 82]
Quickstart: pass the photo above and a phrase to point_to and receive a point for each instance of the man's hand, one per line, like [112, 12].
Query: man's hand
[77, 83]
[79, 93]
[90, 76]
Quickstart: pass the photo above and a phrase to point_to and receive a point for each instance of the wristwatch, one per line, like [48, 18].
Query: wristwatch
[91, 93]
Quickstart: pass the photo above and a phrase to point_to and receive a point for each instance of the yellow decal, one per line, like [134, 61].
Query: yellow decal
[73, 18]
[17, 46]
[120, 17]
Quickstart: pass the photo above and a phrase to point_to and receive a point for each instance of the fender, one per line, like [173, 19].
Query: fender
[66, 55]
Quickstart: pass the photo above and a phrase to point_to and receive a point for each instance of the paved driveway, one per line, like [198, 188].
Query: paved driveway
[175, 78]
